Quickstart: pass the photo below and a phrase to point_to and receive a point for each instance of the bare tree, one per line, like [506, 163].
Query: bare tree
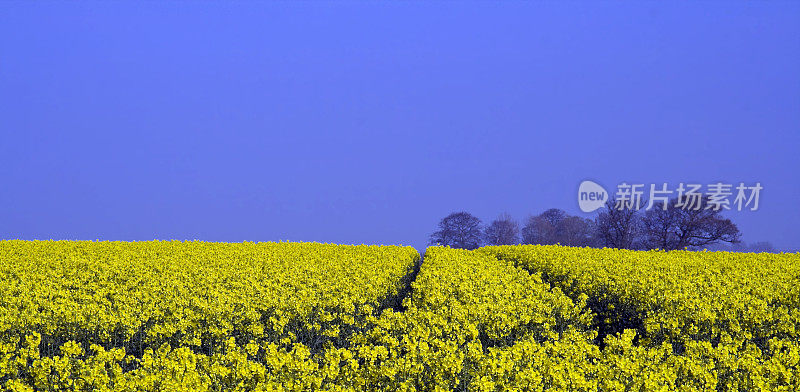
[502, 231]
[554, 216]
[556, 226]
[575, 231]
[677, 227]
[458, 230]
[538, 230]
[618, 228]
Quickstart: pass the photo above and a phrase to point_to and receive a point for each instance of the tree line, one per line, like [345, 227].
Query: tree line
[668, 227]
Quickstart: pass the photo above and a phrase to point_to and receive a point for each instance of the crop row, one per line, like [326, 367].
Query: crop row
[195, 316]
[731, 320]
[185, 315]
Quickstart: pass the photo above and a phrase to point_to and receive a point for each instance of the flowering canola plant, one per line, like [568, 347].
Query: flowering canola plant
[464, 307]
[198, 316]
[171, 315]
[688, 320]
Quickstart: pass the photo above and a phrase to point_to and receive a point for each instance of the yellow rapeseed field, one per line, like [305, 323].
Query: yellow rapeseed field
[681, 320]
[198, 316]
[173, 315]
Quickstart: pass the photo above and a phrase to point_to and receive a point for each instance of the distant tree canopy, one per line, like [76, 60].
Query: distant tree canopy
[754, 247]
[672, 227]
[615, 228]
[760, 247]
[502, 231]
[555, 226]
[458, 230]
[666, 226]
[669, 226]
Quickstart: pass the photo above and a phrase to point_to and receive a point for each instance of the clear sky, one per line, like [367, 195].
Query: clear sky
[367, 122]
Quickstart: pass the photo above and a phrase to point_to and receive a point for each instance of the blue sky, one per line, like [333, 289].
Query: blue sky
[367, 122]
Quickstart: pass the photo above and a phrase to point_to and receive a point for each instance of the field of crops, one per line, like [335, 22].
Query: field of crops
[187, 315]
[681, 320]
[197, 316]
